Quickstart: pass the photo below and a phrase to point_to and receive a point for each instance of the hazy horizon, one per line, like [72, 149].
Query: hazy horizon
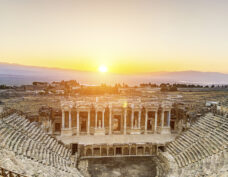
[133, 73]
[20, 74]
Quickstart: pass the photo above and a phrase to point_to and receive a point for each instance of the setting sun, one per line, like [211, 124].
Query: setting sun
[103, 69]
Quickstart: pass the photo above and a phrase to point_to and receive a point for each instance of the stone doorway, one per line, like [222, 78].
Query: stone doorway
[126, 151]
[57, 127]
[103, 152]
[149, 124]
[111, 152]
[116, 123]
[83, 122]
[89, 152]
[96, 152]
[118, 151]
[135, 120]
[140, 151]
[172, 125]
[83, 125]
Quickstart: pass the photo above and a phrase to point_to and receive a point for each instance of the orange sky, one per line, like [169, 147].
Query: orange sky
[128, 36]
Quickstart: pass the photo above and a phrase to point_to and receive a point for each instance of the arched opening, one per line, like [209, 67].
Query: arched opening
[103, 152]
[133, 151]
[118, 151]
[110, 152]
[126, 151]
[140, 151]
[89, 152]
[96, 151]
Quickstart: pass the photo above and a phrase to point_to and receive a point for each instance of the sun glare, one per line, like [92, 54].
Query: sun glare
[103, 69]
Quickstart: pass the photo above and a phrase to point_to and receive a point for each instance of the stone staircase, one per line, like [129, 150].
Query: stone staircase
[29, 143]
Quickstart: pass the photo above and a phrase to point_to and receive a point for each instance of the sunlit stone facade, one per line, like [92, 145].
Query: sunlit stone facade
[93, 127]
[107, 118]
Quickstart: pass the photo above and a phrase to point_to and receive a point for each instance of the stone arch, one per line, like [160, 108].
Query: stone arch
[140, 150]
[118, 150]
[88, 152]
[103, 152]
[133, 151]
[111, 152]
[96, 151]
[126, 151]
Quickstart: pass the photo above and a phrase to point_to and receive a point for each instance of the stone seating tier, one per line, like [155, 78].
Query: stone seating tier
[25, 139]
[206, 138]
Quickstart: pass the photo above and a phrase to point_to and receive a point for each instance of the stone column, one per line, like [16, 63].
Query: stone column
[103, 119]
[70, 119]
[78, 122]
[88, 123]
[125, 120]
[132, 118]
[110, 121]
[63, 119]
[95, 119]
[139, 120]
[163, 114]
[156, 121]
[169, 117]
[146, 120]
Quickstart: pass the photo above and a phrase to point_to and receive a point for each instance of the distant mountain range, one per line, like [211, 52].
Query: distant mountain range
[13, 74]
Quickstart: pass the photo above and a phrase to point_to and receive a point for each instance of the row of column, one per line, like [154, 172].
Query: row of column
[88, 122]
[156, 117]
[110, 120]
[70, 120]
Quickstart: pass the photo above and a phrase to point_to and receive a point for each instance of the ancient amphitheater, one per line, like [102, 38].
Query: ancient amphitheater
[26, 150]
